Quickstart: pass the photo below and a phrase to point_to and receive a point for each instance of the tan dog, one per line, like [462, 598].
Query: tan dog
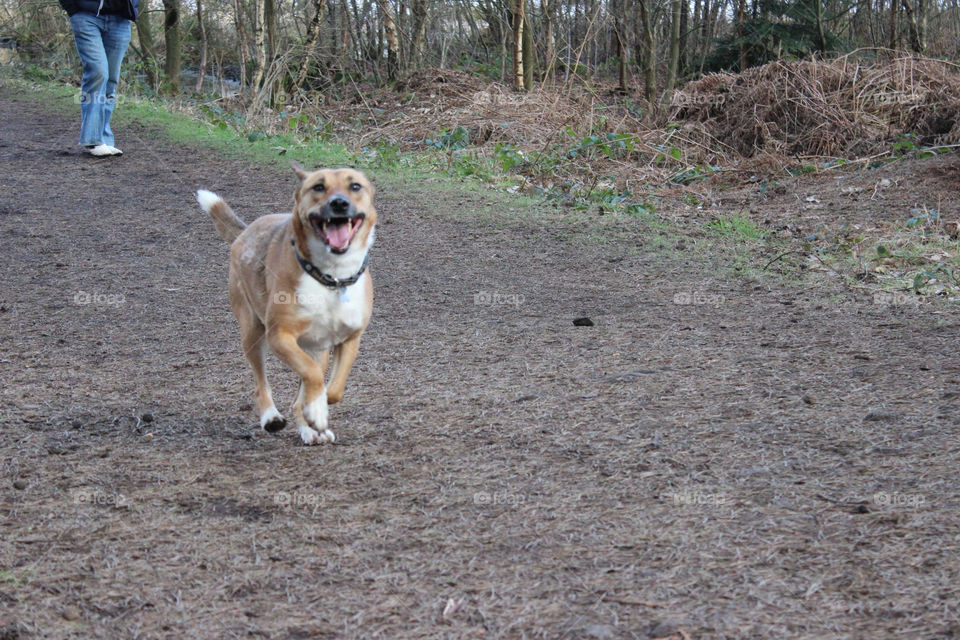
[299, 283]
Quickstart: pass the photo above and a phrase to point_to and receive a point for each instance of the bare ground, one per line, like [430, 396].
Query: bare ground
[767, 462]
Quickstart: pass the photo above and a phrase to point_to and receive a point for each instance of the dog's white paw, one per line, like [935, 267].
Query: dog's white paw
[315, 413]
[272, 421]
[310, 436]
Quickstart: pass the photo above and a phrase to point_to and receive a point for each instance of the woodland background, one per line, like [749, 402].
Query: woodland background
[643, 47]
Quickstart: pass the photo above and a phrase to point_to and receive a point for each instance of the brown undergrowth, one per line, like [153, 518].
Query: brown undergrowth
[591, 145]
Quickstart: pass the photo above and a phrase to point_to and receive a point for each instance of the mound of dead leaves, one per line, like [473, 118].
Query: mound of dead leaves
[845, 107]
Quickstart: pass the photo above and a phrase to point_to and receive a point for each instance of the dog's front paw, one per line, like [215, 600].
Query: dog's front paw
[315, 413]
[311, 436]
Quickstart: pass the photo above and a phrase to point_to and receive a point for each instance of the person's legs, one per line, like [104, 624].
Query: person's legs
[116, 38]
[93, 56]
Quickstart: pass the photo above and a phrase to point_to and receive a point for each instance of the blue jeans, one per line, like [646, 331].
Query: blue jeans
[101, 43]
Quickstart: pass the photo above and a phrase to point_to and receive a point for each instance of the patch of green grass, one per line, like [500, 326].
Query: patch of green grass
[737, 227]
[275, 150]
[924, 265]
[917, 257]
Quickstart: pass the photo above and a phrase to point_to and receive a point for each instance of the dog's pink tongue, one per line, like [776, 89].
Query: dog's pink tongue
[338, 236]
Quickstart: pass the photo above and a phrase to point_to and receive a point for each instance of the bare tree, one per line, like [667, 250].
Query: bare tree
[147, 50]
[259, 46]
[894, 24]
[244, 43]
[171, 35]
[270, 26]
[916, 24]
[393, 41]
[529, 53]
[549, 6]
[673, 63]
[203, 48]
[518, 19]
[618, 8]
[649, 52]
[741, 25]
[419, 10]
[310, 46]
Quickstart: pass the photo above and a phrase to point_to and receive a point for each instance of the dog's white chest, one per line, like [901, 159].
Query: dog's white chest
[334, 316]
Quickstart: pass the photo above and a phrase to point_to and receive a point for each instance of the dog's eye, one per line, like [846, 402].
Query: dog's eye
[319, 187]
[356, 186]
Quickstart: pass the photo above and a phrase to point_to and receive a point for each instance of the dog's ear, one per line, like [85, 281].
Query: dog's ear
[297, 169]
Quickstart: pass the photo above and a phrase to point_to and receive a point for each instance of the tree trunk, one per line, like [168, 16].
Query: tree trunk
[260, 48]
[171, 35]
[741, 19]
[710, 28]
[699, 19]
[310, 46]
[518, 19]
[649, 41]
[916, 24]
[551, 52]
[419, 10]
[684, 28]
[894, 25]
[147, 49]
[203, 48]
[818, 19]
[270, 24]
[346, 36]
[620, 37]
[244, 41]
[393, 42]
[529, 53]
[674, 61]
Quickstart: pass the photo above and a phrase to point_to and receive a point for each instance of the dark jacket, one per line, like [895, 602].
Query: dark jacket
[128, 9]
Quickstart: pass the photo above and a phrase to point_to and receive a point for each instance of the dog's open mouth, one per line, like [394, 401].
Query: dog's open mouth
[336, 231]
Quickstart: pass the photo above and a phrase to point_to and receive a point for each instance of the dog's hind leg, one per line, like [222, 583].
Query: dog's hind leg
[254, 347]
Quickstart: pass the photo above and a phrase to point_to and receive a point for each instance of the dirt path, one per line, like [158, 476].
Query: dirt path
[767, 463]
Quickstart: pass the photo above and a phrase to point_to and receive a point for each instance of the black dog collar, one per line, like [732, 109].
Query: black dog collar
[325, 278]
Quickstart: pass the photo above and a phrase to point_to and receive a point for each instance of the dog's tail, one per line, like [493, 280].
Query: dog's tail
[228, 224]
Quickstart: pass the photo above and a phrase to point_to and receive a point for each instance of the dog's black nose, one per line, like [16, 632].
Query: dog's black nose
[339, 204]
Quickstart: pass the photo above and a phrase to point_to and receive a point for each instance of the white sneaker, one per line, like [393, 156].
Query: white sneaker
[103, 150]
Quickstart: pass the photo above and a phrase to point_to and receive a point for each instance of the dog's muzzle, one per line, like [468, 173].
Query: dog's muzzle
[336, 223]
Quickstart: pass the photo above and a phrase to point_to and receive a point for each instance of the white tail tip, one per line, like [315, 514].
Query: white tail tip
[207, 199]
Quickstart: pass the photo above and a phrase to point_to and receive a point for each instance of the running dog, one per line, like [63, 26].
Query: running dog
[299, 283]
